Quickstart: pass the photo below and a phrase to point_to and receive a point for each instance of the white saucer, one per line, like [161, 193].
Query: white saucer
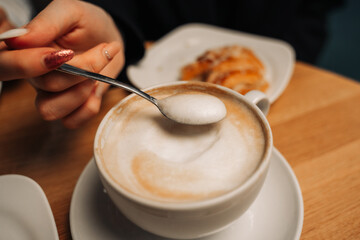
[276, 214]
[25, 212]
[164, 60]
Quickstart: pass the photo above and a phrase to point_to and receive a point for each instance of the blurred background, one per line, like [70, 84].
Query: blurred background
[339, 55]
[342, 50]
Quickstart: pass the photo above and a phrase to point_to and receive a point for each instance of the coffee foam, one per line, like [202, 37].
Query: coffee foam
[156, 158]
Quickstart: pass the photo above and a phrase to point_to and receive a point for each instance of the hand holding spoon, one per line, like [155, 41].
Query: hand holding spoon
[192, 108]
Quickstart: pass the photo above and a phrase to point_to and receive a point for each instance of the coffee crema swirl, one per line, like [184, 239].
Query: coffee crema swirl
[156, 158]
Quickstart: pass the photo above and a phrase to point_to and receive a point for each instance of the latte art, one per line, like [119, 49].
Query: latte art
[156, 158]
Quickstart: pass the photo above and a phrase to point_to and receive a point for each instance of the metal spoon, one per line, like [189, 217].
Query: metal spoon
[161, 104]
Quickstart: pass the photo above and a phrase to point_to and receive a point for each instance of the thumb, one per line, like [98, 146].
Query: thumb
[56, 20]
[32, 62]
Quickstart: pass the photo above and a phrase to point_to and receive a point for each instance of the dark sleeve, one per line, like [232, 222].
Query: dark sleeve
[124, 13]
[133, 40]
[133, 44]
[308, 31]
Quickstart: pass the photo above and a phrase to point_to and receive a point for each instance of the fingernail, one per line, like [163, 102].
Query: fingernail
[16, 32]
[111, 49]
[55, 59]
[107, 54]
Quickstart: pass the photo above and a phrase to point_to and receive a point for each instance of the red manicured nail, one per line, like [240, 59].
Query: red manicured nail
[55, 59]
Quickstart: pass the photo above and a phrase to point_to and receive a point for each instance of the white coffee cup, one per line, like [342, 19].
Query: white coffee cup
[189, 219]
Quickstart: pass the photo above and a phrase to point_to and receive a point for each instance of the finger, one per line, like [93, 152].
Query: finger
[117, 61]
[93, 60]
[3, 46]
[92, 106]
[88, 110]
[52, 106]
[85, 112]
[27, 63]
[68, 23]
[100, 89]
[97, 58]
[57, 19]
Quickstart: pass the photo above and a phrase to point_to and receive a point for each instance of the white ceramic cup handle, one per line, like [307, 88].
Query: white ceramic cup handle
[259, 99]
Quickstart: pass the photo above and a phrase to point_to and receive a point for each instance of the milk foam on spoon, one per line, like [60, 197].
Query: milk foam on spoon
[193, 108]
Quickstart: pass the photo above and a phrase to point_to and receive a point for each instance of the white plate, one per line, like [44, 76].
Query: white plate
[25, 212]
[163, 61]
[276, 214]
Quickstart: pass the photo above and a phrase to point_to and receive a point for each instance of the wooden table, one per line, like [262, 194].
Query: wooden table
[315, 122]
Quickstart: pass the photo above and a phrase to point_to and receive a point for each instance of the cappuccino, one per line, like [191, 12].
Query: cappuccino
[155, 158]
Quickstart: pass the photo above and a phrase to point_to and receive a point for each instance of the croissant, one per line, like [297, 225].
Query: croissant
[235, 67]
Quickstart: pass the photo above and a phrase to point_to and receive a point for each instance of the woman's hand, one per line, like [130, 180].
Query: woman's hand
[65, 24]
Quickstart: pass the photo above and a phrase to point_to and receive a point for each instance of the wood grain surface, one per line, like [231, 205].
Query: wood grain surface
[315, 123]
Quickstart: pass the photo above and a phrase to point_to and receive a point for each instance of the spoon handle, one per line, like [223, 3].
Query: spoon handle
[81, 72]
